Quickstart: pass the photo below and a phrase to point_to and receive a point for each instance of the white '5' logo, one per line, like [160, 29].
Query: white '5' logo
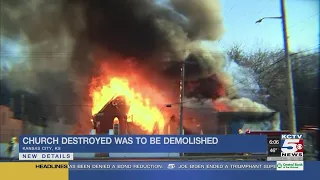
[290, 145]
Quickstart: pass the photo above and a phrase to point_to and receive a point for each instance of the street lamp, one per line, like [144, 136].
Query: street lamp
[260, 20]
[291, 106]
[165, 106]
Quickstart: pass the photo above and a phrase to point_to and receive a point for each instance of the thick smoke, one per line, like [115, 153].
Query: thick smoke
[41, 65]
[46, 48]
[159, 35]
[68, 40]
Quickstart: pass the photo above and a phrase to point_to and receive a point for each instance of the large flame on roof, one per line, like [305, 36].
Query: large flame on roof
[137, 97]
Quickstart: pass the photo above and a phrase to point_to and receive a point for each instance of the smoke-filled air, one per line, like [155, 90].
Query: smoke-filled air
[84, 52]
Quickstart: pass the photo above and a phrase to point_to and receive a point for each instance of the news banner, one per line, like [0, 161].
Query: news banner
[284, 153]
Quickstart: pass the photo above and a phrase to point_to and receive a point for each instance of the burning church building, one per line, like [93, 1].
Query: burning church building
[113, 116]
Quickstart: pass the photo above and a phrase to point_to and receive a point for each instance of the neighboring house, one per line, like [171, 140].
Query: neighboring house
[8, 127]
[15, 127]
[231, 122]
[58, 127]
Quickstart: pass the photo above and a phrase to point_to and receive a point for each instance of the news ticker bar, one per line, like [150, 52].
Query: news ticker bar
[174, 166]
[179, 165]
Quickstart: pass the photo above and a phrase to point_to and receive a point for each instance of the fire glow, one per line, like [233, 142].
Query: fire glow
[144, 114]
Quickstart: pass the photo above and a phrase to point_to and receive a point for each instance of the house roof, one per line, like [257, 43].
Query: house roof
[108, 103]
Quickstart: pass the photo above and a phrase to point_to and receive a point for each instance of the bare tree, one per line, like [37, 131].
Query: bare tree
[269, 67]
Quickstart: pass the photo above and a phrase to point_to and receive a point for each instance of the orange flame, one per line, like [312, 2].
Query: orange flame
[221, 107]
[143, 113]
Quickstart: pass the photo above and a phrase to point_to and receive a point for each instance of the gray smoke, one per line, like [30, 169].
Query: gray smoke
[38, 59]
[68, 40]
[150, 31]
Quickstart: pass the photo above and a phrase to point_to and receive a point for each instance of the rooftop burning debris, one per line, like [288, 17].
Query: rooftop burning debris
[128, 47]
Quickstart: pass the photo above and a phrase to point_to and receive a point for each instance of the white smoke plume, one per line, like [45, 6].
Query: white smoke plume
[239, 105]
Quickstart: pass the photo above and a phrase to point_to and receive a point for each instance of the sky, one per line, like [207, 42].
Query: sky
[240, 17]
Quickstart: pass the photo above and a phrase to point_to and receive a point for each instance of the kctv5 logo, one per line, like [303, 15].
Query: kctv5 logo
[292, 145]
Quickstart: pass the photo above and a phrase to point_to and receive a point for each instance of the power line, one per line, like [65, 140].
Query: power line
[84, 105]
[210, 108]
[268, 67]
[234, 6]
[292, 54]
[68, 105]
[42, 54]
[304, 21]
[48, 55]
[90, 105]
[264, 7]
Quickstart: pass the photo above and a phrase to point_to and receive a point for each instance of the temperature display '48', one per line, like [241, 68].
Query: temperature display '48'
[273, 150]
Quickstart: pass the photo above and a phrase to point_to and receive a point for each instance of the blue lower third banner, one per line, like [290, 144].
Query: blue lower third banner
[143, 144]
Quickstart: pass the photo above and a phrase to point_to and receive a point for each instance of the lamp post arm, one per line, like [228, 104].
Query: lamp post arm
[276, 17]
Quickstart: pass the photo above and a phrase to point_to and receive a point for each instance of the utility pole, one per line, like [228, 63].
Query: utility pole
[181, 96]
[290, 95]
